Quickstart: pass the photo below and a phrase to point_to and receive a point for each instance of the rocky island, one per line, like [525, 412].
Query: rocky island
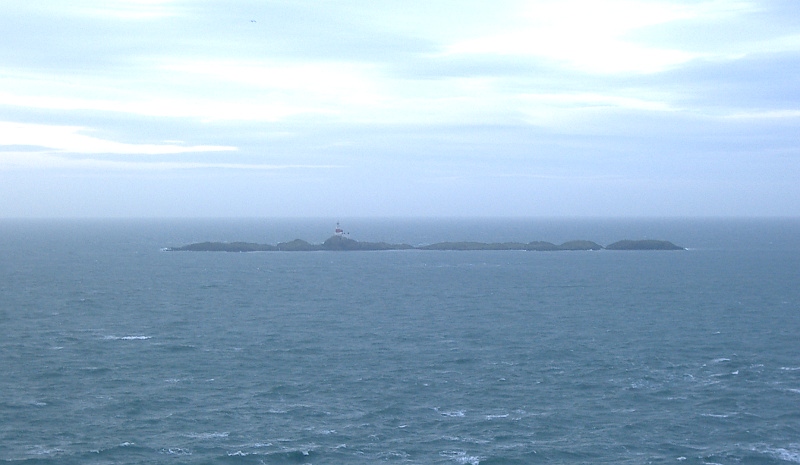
[643, 245]
[341, 243]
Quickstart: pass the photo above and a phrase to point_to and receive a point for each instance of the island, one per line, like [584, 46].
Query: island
[339, 242]
[648, 244]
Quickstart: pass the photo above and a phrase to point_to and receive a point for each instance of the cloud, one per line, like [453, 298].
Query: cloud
[760, 115]
[242, 76]
[69, 139]
[124, 9]
[243, 90]
[197, 108]
[28, 160]
[561, 93]
[594, 37]
[38, 160]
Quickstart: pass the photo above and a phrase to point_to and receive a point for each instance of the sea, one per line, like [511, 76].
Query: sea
[116, 351]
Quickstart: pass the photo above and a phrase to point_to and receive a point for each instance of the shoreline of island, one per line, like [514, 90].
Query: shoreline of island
[339, 243]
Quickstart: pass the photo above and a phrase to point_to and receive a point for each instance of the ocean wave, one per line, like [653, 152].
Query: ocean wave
[223, 434]
[465, 439]
[44, 451]
[175, 451]
[460, 456]
[450, 413]
[787, 455]
[127, 338]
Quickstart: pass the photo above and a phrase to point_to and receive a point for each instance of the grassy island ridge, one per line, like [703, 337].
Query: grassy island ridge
[341, 243]
[643, 245]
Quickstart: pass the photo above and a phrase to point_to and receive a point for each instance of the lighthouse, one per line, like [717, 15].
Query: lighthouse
[338, 231]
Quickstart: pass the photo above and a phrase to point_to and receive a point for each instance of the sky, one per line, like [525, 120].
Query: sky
[435, 108]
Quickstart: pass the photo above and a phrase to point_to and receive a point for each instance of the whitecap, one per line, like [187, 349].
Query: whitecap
[461, 457]
[492, 417]
[784, 454]
[127, 338]
[393, 455]
[720, 360]
[796, 391]
[790, 368]
[223, 434]
[42, 451]
[175, 451]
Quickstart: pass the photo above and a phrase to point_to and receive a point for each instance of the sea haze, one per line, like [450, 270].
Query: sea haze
[114, 351]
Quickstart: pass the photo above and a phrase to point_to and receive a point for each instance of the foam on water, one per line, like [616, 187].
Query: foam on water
[224, 434]
[175, 451]
[461, 457]
[450, 413]
[792, 454]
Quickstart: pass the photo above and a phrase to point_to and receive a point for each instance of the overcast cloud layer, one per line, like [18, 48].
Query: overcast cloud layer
[154, 108]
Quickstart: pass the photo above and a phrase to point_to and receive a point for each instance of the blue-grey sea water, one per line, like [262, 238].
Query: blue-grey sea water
[113, 351]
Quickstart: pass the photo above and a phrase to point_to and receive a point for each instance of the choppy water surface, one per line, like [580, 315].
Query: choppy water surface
[116, 352]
